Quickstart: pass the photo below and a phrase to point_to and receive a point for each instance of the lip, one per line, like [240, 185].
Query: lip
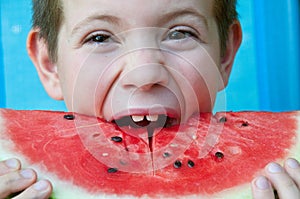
[170, 112]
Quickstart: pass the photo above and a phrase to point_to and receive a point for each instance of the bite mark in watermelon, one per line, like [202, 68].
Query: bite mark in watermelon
[211, 156]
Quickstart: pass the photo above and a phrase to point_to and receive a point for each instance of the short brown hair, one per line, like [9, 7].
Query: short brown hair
[225, 13]
[48, 16]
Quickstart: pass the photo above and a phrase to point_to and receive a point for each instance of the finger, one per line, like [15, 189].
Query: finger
[282, 182]
[16, 181]
[9, 166]
[292, 167]
[262, 188]
[40, 190]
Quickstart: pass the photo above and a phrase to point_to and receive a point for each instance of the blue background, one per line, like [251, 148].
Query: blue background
[266, 73]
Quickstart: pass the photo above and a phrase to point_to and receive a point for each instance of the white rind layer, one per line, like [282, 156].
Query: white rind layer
[65, 190]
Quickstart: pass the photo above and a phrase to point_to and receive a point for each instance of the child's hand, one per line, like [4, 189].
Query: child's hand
[285, 180]
[14, 179]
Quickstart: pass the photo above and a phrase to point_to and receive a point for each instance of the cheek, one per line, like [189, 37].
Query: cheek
[85, 78]
[198, 77]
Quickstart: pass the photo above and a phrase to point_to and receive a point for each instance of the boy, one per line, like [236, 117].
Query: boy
[136, 60]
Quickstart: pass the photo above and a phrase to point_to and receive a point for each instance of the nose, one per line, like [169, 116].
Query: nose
[145, 68]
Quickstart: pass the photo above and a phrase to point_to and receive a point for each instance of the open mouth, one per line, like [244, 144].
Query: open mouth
[146, 121]
[151, 123]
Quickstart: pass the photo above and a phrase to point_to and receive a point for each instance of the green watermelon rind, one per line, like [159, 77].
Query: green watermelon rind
[63, 189]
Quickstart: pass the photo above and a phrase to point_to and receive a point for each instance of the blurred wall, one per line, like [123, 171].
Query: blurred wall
[266, 74]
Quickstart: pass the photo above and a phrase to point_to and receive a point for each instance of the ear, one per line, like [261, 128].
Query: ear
[47, 70]
[232, 45]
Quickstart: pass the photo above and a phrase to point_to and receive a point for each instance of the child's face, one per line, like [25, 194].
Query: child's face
[120, 58]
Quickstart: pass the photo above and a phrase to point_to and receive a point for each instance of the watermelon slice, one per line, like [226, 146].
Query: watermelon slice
[211, 156]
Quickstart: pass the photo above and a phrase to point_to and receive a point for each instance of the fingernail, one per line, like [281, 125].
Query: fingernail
[262, 183]
[41, 185]
[275, 168]
[27, 173]
[292, 163]
[12, 163]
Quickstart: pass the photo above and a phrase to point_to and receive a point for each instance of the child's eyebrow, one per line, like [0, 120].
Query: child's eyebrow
[182, 13]
[105, 17]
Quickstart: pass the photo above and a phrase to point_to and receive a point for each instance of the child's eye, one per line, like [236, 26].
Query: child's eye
[180, 34]
[98, 38]
[101, 41]
[177, 35]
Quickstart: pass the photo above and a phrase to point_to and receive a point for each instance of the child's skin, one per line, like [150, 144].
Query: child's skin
[115, 60]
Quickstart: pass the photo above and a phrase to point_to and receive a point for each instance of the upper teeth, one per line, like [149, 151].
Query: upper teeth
[139, 118]
[152, 118]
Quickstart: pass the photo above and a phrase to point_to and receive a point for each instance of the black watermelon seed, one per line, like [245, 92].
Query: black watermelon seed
[116, 139]
[245, 124]
[191, 164]
[219, 155]
[177, 164]
[223, 119]
[112, 170]
[166, 155]
[69, 117]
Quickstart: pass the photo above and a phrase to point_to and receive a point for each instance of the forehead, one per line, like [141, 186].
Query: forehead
[133, 11]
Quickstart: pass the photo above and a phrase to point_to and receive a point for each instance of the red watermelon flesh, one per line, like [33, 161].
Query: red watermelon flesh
[204, 157]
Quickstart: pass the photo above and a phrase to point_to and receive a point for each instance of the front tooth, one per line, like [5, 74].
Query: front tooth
[137, 118]
[152, 118]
